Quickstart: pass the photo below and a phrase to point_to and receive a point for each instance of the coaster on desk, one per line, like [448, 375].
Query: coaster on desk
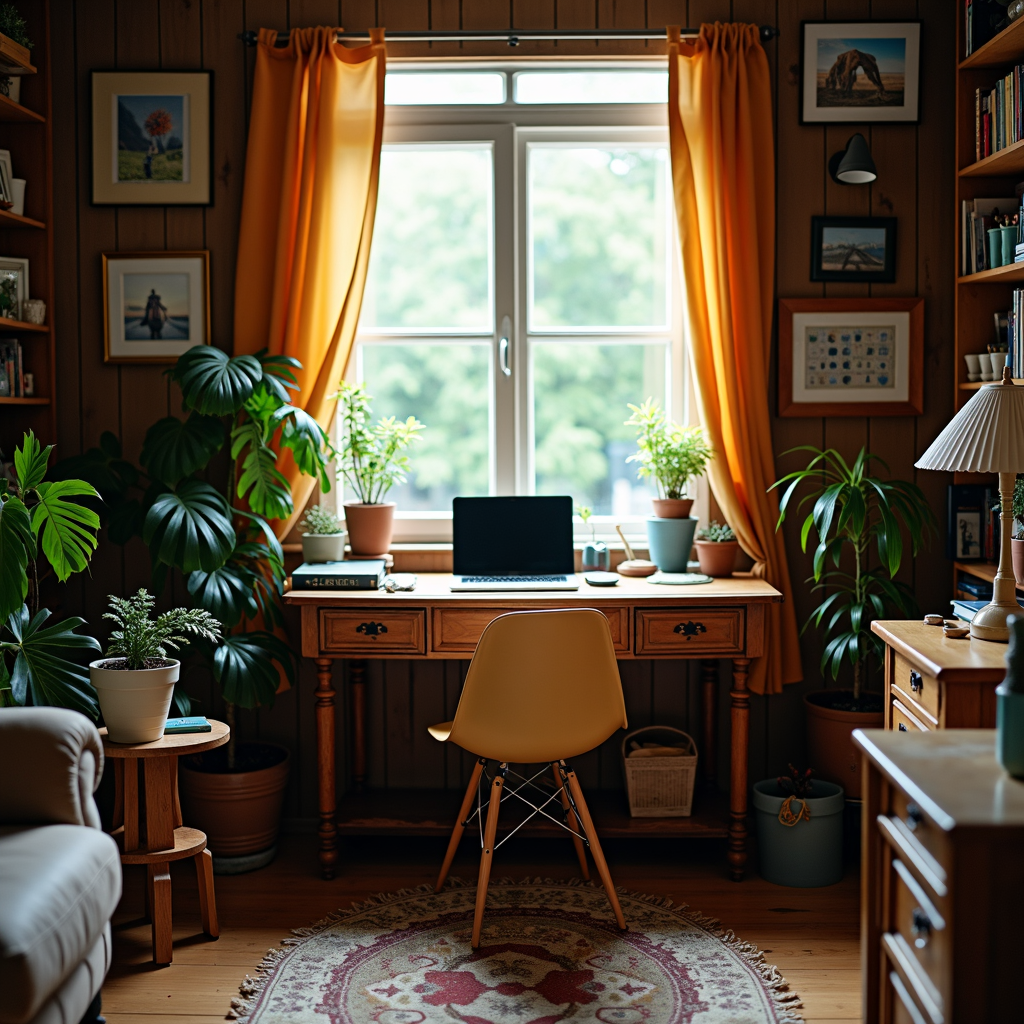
[679, 579]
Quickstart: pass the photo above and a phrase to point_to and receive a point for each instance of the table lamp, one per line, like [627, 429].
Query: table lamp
[987, 436]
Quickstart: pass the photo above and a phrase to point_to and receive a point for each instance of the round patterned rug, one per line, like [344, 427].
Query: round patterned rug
[550, 952]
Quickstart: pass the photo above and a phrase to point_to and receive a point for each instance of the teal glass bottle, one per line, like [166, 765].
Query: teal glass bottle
[1010, 703]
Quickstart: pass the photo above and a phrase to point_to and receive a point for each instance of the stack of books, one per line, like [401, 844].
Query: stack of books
[998, 115]
[12, 371]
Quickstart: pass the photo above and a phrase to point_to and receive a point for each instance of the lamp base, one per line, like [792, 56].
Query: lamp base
[990, 622]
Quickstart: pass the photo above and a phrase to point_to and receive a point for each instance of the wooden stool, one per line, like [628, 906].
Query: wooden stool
[166, 839]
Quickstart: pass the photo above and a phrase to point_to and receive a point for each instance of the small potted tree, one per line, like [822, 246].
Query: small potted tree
[716, 549]
[323, 538]
[135, 681]
[853, 511]
[372, 458]
[671, 455]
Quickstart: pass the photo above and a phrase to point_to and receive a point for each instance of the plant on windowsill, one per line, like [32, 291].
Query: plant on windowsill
[852, 512]
[595, 554]
[372, 457]
[716, 549]
[135, 681]
[323, 536]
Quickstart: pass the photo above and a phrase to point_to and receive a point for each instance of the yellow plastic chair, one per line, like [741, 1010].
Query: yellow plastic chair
[543, 686]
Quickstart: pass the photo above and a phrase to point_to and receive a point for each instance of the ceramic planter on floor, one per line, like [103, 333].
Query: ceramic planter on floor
[830, 749]
[369, 527]
[809, 853]
[134, 702]
[670, 542]
[672, 508]
[717, 558]
[324, 547]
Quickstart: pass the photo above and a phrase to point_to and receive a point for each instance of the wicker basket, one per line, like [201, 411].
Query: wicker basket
[660, 787]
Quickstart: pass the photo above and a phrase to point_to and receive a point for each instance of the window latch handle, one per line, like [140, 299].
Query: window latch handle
[504, 343]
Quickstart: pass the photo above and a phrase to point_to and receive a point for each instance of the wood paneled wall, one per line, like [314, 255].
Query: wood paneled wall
[915, 168]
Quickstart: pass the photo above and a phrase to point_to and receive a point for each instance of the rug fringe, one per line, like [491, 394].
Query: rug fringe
[785, 1002]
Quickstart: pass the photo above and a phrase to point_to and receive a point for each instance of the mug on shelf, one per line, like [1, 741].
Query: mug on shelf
[973, 366]
[997, 360]
[995, 248]
[34, 311]
[18, 196]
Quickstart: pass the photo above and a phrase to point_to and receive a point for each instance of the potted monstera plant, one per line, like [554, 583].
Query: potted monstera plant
[207, 519]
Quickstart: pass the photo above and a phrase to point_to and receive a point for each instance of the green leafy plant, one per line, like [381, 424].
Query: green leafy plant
[142, 641]
[372, 456]
[720, 533]
[852, 511]
[43, 528]
[1018, 506]
[797, 783]
[667, 452]
[320, 521]
[12, 25]
[585, 512]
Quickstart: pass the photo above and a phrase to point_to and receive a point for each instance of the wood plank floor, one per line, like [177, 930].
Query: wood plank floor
[810, 934]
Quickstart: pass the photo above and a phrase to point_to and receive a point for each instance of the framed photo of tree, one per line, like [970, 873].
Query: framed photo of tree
[151, 135]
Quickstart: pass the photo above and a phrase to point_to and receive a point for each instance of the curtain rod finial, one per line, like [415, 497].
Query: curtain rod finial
[249, 37]
[768, 33]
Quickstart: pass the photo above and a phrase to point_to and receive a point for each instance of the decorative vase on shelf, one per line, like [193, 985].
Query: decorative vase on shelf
[670, 542]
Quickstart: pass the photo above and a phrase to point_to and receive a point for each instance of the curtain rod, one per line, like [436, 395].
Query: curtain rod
[513, 36]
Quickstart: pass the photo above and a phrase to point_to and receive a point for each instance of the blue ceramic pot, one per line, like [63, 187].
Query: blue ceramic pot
[596, 556]
[670, 542]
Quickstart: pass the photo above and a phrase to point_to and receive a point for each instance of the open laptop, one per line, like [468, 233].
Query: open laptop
[521, 543]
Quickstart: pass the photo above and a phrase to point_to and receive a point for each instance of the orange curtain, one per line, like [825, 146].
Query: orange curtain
[723, 170]
[312, 166]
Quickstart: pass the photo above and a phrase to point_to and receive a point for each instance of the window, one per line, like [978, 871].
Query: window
[523, 287]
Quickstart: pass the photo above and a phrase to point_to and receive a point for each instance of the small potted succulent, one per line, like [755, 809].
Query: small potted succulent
[716, 549]
[595, 554]
[135, 681]
[323, 537]
[672, 455]
[372, 459]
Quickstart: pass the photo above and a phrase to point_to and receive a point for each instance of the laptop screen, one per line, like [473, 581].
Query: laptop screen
[512, 536]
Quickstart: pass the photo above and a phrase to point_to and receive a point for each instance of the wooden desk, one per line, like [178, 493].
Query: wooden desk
[722, 619]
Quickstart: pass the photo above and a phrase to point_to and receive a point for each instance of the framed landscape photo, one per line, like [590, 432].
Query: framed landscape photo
[861, 249]
[851, 357]
[866, 72]
[13, 286]
[151, 138]
[156, 305]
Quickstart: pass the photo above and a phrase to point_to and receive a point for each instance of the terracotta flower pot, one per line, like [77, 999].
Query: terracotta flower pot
[672, 508]
[717, 558]
[134, 702]
[369, 527]
[239, 811]
[1017, 554]
[830, 749]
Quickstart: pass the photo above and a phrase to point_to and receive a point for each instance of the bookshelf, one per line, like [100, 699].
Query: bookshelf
[26, 130]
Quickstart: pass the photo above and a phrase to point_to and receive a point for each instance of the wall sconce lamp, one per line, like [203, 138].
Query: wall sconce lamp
[853, 166]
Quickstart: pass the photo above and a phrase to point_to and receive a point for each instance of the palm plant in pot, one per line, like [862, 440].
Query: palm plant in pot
[323, 537]
[853, 512]
[372, 458]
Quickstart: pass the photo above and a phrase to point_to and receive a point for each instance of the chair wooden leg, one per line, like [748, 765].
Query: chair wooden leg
[207, 900]
[595, 845]
[573, 823]
[453, 843]
[487, 854]
[158, 882]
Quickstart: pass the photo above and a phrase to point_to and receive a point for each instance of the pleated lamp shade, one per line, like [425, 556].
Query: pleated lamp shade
[985, 436]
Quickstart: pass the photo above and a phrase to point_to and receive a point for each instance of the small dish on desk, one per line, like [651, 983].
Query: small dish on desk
[934, 620]
[601, 579]
[958, 632]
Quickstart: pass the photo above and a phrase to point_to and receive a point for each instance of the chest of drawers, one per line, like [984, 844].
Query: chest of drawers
[942, 885]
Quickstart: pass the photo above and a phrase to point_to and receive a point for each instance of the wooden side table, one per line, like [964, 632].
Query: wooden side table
[165, 838]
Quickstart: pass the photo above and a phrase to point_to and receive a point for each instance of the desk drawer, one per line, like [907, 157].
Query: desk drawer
[457, 630]
[903, 720]
[697, 632]
[921, 931]
[918, 689]
[372, 631]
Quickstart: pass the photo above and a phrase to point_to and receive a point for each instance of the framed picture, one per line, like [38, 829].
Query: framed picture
[851, 357]
[853, 249]
[6, 174]
[13, 286]
[156, 305]
[151, 138]
[859, 71]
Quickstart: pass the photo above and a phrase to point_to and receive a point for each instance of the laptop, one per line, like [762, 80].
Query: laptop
[521, 543]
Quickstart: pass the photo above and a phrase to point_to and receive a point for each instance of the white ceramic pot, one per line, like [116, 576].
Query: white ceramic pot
[324, 547]
[134, 702]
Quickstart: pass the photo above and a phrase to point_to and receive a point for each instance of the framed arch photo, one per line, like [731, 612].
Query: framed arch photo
[862, 72]
[851, 357]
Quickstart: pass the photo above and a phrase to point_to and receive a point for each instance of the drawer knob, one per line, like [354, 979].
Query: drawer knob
[690, 629]
[914, 816]
[921, 926]
[916, 682]
[903, 728]
[372, 629]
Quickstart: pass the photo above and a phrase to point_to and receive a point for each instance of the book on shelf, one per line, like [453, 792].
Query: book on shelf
[980, 590]
[999, 114]
[977, 216]
[12, 370]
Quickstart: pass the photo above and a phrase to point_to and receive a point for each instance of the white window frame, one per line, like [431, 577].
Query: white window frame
[510, 128]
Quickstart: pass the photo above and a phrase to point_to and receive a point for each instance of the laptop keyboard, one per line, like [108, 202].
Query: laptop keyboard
[514, 579]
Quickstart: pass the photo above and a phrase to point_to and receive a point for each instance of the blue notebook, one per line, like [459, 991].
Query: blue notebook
[196, 723]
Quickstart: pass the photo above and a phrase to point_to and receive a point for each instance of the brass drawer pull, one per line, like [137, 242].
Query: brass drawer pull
[690, 629]
[372, 629]
[916, 681]
[921, 926]
[903, 728]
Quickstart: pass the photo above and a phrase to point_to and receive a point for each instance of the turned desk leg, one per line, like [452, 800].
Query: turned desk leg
[709, 716]
[325, 767]
[357, 684]
[740, 714]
